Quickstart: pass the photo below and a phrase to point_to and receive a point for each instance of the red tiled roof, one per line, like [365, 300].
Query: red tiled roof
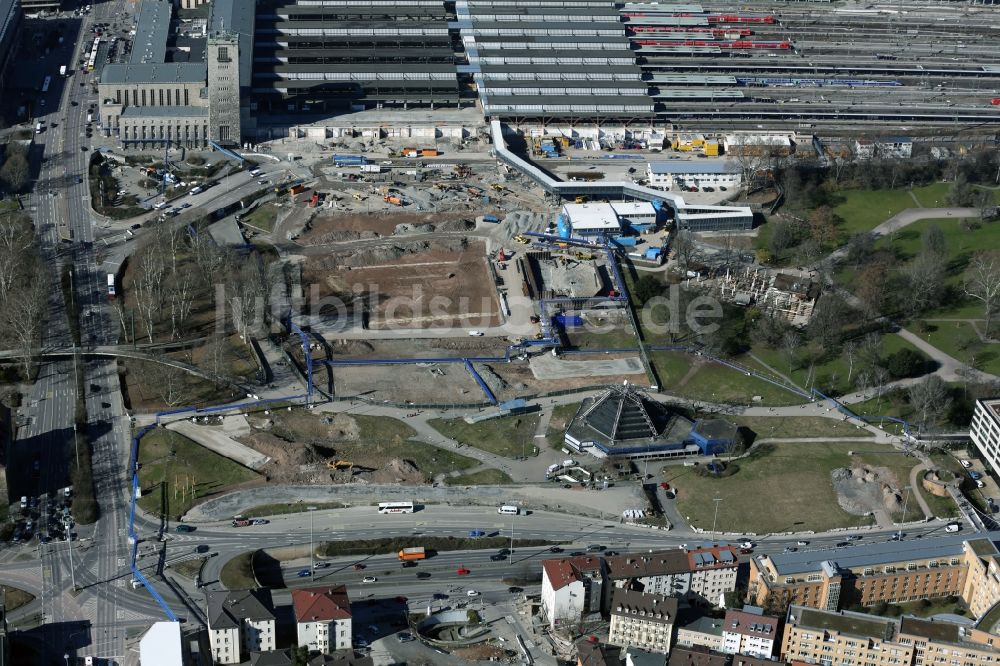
[317, 604]
[751, 624]
[567, 570]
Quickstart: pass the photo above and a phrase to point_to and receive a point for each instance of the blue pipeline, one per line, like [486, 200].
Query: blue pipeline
[134, 459]
[479, 380]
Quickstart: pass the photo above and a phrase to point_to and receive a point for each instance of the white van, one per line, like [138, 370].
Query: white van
[952, 527]
[509, 510]
[38, 128]
[569, 462]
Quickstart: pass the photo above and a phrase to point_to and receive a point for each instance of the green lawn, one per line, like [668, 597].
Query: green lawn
[263, 217]
[558, 422]
[715, 383]
[960, 340]
[176, 472]
[934, 195]
[797, 426]
[863, 210]
[509, 436]
[616, 338]
[484, 477]
[830, 375]
[237, 573]
[782, 487]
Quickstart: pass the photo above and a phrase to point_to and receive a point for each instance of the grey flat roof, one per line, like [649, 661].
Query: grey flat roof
[152, 27]
[581, 26]
[544, 68]
[873, 554]
[694, 166]
[165, 112]
[521, 83]
[366, 68]
[173, 72]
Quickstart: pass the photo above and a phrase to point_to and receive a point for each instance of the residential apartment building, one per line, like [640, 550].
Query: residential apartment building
[571, 589]
[701, 575]
[701, 631]
[843, 638]
[642, 620]
[893, 572]
[982, 582]
[942, 643]
[750, 632]
[323, 618]
[985, 431]
[697, 656]
[239, 622]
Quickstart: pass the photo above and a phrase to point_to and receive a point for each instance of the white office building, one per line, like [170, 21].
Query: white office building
[695, 175]
[985, 431]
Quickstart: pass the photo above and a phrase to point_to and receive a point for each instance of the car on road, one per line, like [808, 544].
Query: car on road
[974, 475]
[135, 227]
[404, 637]
[423, 574]
[407, 564]
[462, 571]
[965, 463]
[497, 558]
[595, 548]
[259, 521]
[184, 528]
[801, 543]
[476, 334]
[555, 549]
[359, 567]
[513, 589]
[321, 565]
[790, 549]
[476, 533]
[746, 544]
[577, 553]
[472, 593]
[185, 205]
[841, 544]
[952, 527]
[303, 573]
[980, 484]
[369, 579]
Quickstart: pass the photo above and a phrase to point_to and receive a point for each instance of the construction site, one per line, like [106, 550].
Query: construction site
[787, 294]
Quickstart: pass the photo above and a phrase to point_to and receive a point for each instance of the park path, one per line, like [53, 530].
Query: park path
[915, 477]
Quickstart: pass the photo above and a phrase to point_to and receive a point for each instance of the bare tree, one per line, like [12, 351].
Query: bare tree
[851, 352]
[982, 283]
[751, 157]
[181, 299]
[148, 285]
[684, 248]
[16, 239]
[246, 293]
[166, 380]
[24, 312]
[929, 400]
[790, 343]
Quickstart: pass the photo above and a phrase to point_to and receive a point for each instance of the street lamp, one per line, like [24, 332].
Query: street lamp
[717, 500]
[311, 509]
[906, 498]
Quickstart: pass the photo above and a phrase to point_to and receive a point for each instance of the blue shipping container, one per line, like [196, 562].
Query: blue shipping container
[653, 253]
[348, 160]
[567, 321]
[625, 241]
[491, 218]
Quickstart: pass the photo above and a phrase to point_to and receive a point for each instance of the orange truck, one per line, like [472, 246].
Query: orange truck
[429, 152]
[393, 199]
[297, 189]
[409, 554]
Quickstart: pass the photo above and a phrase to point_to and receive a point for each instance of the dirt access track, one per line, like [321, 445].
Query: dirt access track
[413, 284]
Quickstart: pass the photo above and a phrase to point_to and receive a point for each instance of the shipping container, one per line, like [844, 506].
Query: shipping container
[429, 152]
[349, 160]
[625, 241]
[371, 168]
[297, 189]
[493, 219]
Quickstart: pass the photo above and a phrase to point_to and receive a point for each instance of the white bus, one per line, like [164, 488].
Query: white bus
[509, 510]
[395, 507]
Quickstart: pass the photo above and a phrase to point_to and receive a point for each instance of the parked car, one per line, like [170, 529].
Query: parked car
[975, 475]
[965, 463]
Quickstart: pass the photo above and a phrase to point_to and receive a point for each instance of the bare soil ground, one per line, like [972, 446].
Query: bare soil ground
[321, 439]
[415, 284]
[423, 348]
[437, 384]
[862, 489]
[520, 381]
[333, 228]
